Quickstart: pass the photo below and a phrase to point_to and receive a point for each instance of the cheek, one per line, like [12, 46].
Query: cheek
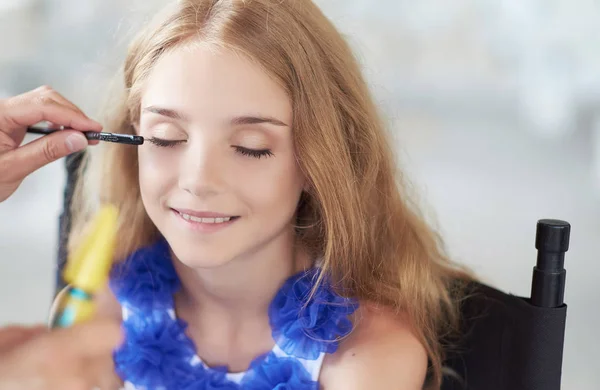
[156, 170]
[273, 186]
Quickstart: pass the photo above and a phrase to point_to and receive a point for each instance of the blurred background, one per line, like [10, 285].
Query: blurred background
[494, 106]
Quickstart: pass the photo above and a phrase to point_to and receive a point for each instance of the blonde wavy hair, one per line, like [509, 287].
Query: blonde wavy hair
[356, 214]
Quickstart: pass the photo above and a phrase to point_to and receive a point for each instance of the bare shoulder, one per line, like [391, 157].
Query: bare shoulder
[382, 352]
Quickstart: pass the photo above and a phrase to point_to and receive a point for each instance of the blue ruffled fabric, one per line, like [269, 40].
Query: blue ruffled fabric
[147, 279]
[207, 379]
[307, 330]
[157, 353]
[278, 373]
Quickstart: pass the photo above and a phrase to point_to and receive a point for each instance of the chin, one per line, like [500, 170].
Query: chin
[197, 262]
[199, 257]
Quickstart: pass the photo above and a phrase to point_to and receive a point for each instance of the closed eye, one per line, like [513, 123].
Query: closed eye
[164, 142]
[256, 153]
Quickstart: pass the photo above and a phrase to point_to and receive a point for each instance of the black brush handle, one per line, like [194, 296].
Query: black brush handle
[127, 139]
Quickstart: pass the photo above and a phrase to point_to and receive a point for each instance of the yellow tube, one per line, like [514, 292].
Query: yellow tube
[87, 270]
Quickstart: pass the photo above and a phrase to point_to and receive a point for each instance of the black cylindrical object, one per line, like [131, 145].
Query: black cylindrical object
[551, 241]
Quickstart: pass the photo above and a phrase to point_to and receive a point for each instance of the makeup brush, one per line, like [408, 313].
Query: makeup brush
[94, 135]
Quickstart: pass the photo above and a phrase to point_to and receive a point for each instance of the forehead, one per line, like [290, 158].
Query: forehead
[205, 80]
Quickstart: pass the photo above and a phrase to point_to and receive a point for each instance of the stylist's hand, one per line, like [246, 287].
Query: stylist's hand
[77, 358]
[16, 113]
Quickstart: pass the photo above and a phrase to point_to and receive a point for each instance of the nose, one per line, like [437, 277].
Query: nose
[199, 173]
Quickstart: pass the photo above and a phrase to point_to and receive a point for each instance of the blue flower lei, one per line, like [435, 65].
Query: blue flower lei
[157, 353]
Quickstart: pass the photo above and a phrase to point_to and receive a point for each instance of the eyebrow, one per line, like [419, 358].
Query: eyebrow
[236, 121]
[169, 113]
[253, 120]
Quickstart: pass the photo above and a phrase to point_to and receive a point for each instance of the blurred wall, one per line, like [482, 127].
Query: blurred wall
[493, 105]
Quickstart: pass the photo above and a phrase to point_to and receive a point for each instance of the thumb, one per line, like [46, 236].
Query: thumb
[34, 155]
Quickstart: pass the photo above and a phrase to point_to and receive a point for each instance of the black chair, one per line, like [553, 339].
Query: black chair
[514, 343]
[506, 343]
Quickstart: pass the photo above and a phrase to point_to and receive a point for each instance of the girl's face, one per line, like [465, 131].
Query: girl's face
[220, 180]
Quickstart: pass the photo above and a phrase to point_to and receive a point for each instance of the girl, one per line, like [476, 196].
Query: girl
[265, 240]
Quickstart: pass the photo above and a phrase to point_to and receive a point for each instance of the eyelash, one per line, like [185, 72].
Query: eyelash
[255, 153]
[164, 143]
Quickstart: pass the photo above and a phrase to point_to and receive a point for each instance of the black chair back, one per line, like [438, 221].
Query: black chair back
[515, 343]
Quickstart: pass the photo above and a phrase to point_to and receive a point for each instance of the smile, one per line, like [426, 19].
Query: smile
[188, 217]
[206, 222]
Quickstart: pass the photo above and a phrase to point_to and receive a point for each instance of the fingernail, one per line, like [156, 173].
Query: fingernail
[76, 142]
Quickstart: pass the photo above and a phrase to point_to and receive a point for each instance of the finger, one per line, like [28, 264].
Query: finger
[54, 126]
[103, 374]
[13, 336]
[9, 333]
[61, 99]
[16, 164]
[90, 340]
[19, 112]
[69, 379]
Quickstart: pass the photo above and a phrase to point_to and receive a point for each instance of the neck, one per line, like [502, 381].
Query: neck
[245, 286]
